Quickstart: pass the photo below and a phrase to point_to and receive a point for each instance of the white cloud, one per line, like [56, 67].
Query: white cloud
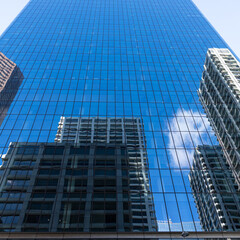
[186, 131]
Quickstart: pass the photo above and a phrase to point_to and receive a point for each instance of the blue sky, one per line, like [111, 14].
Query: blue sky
[223, 15]
[9, 10]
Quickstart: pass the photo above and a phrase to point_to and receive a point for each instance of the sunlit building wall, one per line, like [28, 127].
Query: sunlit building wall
[220, 94]
[214, 190]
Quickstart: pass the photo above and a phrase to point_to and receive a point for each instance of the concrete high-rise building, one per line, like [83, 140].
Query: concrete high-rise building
[220, 94]
[214, 190]
[10, 80]
[82, 186]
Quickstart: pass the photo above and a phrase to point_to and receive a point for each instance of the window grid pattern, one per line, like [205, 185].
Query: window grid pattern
[113, 59]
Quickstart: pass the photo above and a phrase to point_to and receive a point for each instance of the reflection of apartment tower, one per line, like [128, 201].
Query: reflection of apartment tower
[220, 93]
[128, 132]
[10, 80]
[102, 130]
[91, 186]
[61, 187]
[214, 190]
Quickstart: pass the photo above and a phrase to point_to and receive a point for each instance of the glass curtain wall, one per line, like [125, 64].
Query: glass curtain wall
[108, 59]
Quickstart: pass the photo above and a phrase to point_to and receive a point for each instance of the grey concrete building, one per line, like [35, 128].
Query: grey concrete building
[220, 94]
[214, 190]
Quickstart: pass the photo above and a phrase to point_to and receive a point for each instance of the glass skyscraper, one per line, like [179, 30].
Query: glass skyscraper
[118, 60]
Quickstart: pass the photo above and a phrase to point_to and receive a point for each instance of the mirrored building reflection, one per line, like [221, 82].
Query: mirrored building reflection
[96, 182]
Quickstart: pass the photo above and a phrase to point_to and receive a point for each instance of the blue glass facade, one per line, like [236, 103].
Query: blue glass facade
[117, 59]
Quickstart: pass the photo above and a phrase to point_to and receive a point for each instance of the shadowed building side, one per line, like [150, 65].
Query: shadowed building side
[61, 188]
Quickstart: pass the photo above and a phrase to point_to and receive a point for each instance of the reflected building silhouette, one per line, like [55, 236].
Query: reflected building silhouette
[220, 94]
[214, 190]
[10, 80]
[115, 132]
[93, 178]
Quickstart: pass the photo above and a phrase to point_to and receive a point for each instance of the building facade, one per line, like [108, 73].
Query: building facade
[219, 93]
[215, 191]
[109, 60]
